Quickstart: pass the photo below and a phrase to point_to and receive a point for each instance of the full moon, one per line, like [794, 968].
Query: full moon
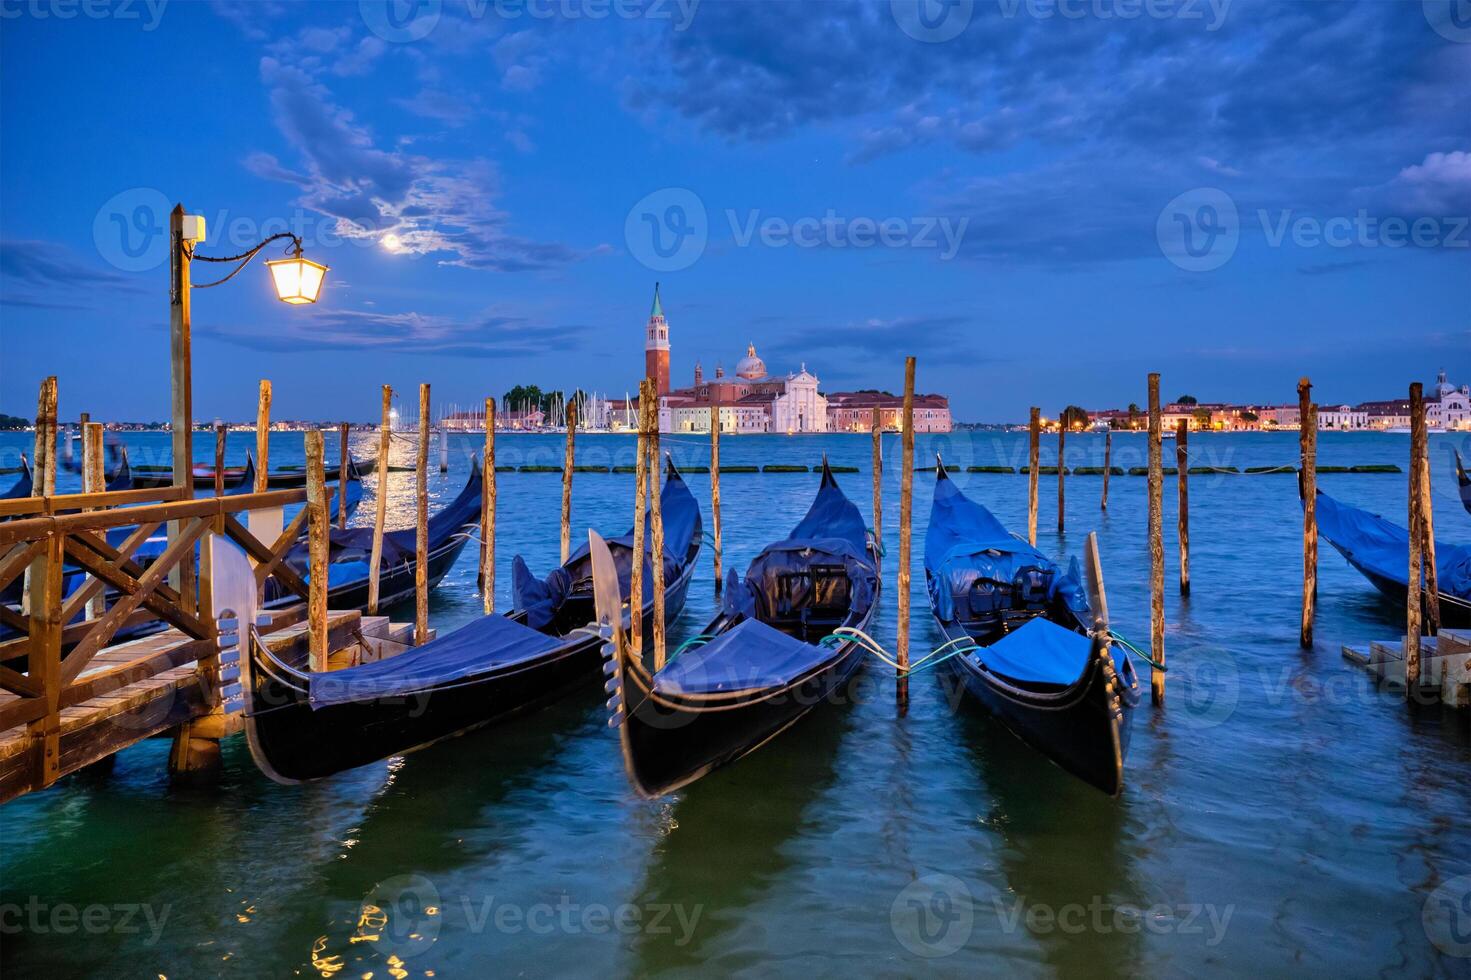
[392, 242]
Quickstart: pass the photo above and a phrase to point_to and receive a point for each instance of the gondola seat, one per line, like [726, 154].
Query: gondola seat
[489, 643]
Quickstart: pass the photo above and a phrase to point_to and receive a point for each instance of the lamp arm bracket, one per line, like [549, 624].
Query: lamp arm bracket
[244, 258]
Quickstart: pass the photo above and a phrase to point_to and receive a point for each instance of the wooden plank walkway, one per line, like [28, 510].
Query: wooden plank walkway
[119, 715]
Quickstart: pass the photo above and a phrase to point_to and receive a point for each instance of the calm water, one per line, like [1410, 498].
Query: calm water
[1281, 815]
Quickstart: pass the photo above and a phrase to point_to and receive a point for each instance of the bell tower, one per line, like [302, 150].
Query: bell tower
[656, 346]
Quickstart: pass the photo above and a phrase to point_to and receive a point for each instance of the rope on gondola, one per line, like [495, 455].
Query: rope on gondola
[878, 546]
[1138, 652]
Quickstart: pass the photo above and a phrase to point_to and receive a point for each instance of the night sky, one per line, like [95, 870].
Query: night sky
[1040, 201]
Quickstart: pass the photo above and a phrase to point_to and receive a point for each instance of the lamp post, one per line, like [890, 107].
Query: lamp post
[297, 281]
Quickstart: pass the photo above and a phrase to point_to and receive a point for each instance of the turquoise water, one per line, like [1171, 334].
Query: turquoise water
[1281, 814]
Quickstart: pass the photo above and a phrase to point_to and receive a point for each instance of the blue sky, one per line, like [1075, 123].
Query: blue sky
[1041, 201]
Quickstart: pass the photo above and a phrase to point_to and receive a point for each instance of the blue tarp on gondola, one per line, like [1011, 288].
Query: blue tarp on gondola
[488, 643]
[966, 544]
[1041, 652]
[1382, 548]
[752, 655]
[680, 513]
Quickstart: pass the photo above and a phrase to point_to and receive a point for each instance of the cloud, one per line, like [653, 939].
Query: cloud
[860, 340]
[1441, 185]
[435, 206]
[45, 276]
[491, 336]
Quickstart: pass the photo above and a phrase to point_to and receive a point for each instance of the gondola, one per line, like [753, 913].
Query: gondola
[771, 654]
[1019, 625]
[154, 477]
[350, 551]
[113, 450]
[307, 726]
[289, 478]
[1463, 482]
[21, 488]
[1380, 551]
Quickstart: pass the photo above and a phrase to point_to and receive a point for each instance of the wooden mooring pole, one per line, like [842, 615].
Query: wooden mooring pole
[656, 527]
[94, 480]
[1427, 538]
[640, 506]
[1061, 470]
[487, 511]
[220, 433]
[421, 523]
[319, 523]
[906, 514]
[567, 480]
[1033, 459]
[878, 475]
[181, 420]
[263, 438]
[375, 560]
[1415, 590]
[43, 464]
[1307, 441]
[1156, 544]
[1182, 468]
[1107, 466]
[342, 471]
[715, 492]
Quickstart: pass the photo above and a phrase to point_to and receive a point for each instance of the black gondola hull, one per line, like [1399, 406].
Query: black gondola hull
[1083, 728]
[1452, 613]
[292, 742]
[666, 749]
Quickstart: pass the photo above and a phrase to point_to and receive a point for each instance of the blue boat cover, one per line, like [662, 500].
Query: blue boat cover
[750, 656]
[680, 513]
[831, 533]
[1383, 548]
[488, 643]
[966, 543]
[1041, 652]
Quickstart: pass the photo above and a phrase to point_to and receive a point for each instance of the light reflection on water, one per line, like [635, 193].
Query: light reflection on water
[1278, 791]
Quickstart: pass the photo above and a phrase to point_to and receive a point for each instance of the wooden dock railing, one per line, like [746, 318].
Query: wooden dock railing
[42, 535]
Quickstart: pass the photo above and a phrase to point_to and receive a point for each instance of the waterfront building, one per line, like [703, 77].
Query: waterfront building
[853, 411]
[1450, 408]
[1342, 417]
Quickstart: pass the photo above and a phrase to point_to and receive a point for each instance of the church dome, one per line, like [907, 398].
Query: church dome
[751, 367]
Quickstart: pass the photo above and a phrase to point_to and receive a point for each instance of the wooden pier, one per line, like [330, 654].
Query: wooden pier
[72, 695]
[1445, 666]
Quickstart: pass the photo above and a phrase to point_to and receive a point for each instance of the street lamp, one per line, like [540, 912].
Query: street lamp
[297, 281]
